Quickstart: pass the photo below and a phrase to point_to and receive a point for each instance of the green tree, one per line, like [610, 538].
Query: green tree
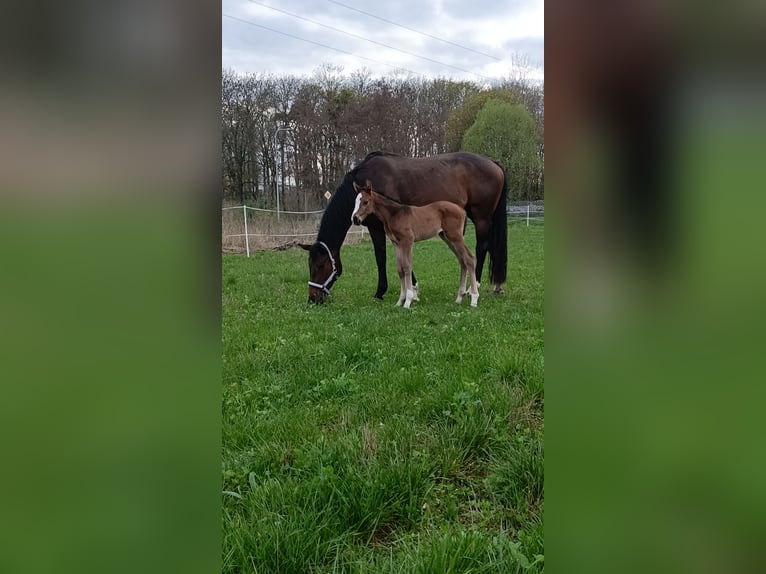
[464, 116]
[508, 134]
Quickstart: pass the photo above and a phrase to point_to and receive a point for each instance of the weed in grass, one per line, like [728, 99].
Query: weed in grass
[516, 480]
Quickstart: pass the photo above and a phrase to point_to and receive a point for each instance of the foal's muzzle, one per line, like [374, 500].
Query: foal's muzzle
[357, 221]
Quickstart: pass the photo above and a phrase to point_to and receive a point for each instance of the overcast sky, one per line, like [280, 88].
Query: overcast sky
[511, 30]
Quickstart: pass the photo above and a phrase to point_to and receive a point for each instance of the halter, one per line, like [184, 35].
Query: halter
[323, 286]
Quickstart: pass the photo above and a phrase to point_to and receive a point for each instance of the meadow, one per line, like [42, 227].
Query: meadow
[360, 437]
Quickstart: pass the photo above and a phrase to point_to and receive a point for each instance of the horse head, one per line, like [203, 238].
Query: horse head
[364, 202]
[324, 269]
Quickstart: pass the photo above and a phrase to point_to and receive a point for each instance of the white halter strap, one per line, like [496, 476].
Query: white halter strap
[323, 286]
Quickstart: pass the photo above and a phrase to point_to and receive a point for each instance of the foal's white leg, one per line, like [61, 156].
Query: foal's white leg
[474, 289]
[410, 293]
[464, 279]
[402, 291]
[467, 263]
[474, 284]
[406, 253]
[400, 268]
[461, 286]
[461, 290]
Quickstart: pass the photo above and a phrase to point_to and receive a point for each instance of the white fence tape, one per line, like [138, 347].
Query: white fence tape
[283, 235]
[515, 212]
[274, 210]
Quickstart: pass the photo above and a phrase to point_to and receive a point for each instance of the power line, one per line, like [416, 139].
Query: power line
[414, 30]
[366, 39]
[320, 44]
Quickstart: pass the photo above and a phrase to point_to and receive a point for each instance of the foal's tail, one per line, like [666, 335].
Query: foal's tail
[498, 241]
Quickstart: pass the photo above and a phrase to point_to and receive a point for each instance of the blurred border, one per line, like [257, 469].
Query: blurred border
[110, 297]
[654, 144]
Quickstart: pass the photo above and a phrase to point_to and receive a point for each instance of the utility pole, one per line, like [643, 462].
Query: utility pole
[276, 163]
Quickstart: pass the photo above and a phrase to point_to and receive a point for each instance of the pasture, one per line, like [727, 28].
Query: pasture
[360, 437]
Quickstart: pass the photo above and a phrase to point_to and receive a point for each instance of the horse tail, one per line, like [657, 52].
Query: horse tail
[498, 241]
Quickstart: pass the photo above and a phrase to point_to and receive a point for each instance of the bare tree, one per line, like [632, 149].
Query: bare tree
[335, 119]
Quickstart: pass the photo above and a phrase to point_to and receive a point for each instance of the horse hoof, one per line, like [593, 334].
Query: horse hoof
[498, 291]
[376, 298]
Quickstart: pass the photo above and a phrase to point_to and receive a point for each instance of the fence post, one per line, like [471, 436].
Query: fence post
[527, 215]
[247, 239]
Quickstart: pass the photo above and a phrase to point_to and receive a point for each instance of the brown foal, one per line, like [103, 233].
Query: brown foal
[406, 224]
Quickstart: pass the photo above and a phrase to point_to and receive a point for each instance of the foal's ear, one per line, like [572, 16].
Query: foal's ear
[305, 246]
[368, 185]
[356, 187]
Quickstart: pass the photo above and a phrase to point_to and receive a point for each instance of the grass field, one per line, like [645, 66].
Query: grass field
[361, 437]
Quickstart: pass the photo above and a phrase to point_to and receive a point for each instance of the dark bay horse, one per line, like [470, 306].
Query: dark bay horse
[406, 224]
[473, 182]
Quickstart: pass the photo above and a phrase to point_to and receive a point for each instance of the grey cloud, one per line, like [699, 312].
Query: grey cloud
[407, 12]
[484, 9]
[532, 47]
[255, 49]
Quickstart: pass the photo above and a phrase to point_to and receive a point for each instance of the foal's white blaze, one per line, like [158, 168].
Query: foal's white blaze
[356, 206]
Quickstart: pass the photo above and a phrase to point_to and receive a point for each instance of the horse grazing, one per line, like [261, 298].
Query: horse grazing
[406, 224]
[472, 182]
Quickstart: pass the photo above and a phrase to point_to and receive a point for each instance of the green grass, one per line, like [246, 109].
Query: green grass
[361, 437]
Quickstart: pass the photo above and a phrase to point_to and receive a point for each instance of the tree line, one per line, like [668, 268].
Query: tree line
[304, 133]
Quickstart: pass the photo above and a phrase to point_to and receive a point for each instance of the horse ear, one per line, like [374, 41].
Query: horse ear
[305, 246]
[356, 187]
[368, 185]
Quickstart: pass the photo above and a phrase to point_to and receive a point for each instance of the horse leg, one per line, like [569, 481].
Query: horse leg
[402, 288]
[461, 288]
[405, 254]
[400, 271]
[482, 245]
[471, 264]
[378, 236]
[415, 287]
[468, 262]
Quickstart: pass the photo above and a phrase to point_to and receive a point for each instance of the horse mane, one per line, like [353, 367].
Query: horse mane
[336, 219]
[390, 199]
[373, 154]
[376, 153]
